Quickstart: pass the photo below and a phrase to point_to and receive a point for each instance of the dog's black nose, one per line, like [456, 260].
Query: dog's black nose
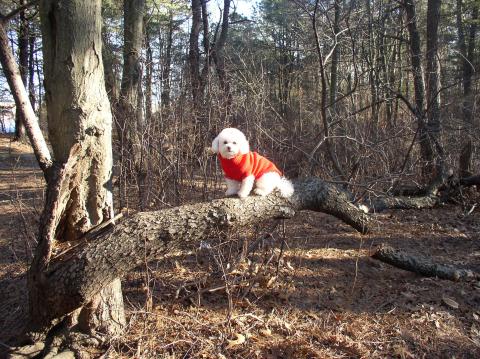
[229, 148]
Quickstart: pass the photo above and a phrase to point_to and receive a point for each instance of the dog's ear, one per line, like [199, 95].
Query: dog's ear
[215, 145]
[244, 146]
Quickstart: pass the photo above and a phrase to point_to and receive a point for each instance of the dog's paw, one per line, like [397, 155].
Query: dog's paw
[231, 192]
[260, 192]
[242, 194]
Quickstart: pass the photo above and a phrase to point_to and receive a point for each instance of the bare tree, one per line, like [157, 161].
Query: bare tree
[23, 66]
[17, 87]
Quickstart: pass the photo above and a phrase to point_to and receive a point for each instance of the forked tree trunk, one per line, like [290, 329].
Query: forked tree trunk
[80, 123]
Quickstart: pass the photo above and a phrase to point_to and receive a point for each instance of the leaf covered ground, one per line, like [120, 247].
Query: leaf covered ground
[306, 288]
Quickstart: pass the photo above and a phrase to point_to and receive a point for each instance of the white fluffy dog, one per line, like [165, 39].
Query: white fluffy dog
[244, 169]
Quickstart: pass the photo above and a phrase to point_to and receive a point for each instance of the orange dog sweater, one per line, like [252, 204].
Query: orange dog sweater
[241, 166]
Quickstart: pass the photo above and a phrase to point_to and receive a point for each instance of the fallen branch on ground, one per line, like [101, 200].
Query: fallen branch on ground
[427, 197]
[420, 265]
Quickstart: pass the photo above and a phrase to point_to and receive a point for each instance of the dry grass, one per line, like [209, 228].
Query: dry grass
[324, 297]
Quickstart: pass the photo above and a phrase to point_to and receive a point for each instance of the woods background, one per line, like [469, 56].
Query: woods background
[378, 98]
[365, 93]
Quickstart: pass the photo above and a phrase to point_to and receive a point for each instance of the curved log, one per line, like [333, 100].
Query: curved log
[403, 202]
[72, 279]
[470, 181]
[416, 198]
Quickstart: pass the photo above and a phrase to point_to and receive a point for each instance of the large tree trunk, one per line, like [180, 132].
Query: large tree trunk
[79, 118]
[74, 278]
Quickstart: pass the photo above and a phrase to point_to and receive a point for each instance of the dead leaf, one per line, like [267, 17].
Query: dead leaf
[266, 332]
[450, 302]
[233, 343]
[179, 267]
[402, 352]
[271, 281]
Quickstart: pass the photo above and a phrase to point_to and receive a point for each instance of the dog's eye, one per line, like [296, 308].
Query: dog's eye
[225, 142]
[234, 143]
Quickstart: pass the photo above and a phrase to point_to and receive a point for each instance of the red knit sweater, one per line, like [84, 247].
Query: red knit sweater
[241, 166]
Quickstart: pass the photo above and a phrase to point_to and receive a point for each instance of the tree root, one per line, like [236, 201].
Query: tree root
[60, 343]
[420, 265]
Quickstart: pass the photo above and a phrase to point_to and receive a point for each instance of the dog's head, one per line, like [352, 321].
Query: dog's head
[230, 143]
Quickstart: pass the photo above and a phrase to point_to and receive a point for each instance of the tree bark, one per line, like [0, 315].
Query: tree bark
[130, 119]
[167, 63]
[323, 99]
[426, 148]
[432, 81]
[148, 77]
[470, 181]
[467, 61]
[31, 70]
[80, 121]
[219, 58]
[420, 265]
[76, 276]
[194, 53]
[335, 54]
[23, 67]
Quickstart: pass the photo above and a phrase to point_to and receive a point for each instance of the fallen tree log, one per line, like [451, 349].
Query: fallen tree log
[427, 197]
[403, 202]
[72, 279]
[420, 265]
[470, 181]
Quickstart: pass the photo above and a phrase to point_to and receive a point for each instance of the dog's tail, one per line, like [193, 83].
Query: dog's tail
[285, 187]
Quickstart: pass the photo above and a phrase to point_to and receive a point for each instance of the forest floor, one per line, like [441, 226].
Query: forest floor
[319, 295]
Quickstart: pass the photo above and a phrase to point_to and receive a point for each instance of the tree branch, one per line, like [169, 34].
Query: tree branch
[12, 74]
[420, 265]
[72, 279]
[17, 10]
